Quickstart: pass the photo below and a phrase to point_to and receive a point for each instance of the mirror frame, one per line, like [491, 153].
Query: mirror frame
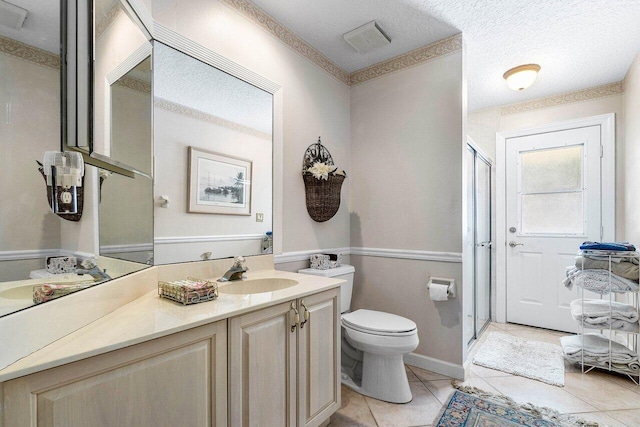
[76, 129]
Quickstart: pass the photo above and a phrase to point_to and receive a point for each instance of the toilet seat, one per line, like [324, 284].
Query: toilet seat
[378, 323]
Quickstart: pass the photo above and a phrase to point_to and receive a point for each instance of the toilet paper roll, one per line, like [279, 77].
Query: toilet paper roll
[438, 292]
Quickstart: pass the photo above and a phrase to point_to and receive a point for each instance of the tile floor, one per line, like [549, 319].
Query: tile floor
[597, 396]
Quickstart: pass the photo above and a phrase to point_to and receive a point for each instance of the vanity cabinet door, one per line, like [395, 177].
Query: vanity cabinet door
[262, 367]
[178, 380]
[318, 358]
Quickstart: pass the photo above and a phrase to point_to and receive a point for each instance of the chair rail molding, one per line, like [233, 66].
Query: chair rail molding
[376, 252]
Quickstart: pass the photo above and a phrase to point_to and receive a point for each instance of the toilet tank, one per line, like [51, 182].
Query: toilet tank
[345, 272]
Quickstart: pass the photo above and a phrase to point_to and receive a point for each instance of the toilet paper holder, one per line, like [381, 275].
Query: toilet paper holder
[450, 283]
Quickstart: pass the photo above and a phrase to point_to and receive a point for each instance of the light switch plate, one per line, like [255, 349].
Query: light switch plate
[259, 217]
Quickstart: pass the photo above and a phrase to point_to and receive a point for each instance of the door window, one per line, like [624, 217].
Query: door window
[551, 197]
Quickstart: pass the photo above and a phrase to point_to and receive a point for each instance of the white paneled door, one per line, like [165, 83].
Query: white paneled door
[553, 203]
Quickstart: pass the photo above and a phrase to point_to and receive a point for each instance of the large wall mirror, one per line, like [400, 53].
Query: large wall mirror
[214, 161]
[213, 179]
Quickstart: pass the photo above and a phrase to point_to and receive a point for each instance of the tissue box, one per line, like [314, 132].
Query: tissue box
[190, 291]
[325, 261]
[61, 264]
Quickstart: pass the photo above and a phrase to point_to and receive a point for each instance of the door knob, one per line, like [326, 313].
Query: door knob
[514, 244]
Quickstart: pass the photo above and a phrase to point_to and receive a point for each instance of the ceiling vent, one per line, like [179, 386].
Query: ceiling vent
[367, 38]
[11, 15]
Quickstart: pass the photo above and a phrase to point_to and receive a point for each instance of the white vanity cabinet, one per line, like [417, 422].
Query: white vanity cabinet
[284, 368]
[177, 380]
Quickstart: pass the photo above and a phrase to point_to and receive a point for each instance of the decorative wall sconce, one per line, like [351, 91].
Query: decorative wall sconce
[322, 182]
[64, 175]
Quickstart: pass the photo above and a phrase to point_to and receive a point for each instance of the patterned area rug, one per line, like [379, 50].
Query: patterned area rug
[519, 356]
[472, 407]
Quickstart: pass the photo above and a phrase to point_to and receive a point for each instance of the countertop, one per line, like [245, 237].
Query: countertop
[150, 317]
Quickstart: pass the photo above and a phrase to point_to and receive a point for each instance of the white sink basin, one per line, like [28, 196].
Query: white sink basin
[18, 292]
[256, 286]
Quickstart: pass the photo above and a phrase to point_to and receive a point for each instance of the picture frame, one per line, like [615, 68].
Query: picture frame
[218, 183]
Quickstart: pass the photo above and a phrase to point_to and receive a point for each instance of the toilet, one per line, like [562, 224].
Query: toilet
[373, 345]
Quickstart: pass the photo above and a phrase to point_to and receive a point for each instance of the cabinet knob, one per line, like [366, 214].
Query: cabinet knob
[306, 315]
[296, 317]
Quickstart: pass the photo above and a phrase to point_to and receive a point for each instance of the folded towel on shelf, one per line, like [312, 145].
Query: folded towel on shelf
[623, 268]
[608, 246]
[598, 281]
[615, 257]
[596, 352]
[597, 314]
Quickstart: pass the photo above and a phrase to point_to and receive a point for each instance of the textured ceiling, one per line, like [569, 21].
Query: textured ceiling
[186, 81]
[579, 44]
[41, 29]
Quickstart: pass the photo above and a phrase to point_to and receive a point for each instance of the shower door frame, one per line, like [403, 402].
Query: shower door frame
[480, 156]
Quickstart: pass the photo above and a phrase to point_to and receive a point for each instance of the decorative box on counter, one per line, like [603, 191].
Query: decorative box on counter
[61, 264]
[325, 261]
[190, 291]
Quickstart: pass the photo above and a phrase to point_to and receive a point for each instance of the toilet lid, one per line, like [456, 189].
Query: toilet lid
[378, 322]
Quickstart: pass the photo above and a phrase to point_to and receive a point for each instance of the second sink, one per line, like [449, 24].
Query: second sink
[256, 286]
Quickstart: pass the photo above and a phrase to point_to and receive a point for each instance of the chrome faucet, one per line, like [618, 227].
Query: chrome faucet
[96, 273]
[235, 272]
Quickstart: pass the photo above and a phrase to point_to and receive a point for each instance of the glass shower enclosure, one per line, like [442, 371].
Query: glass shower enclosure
[477, 304]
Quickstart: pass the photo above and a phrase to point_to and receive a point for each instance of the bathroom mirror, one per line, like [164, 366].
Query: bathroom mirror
[218, 202]
[105, 44]
[121, 88]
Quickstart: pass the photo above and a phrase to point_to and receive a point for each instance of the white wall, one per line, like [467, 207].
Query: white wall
[630, 154]
[406, 189]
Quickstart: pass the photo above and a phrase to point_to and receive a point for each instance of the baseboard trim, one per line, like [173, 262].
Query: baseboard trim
[408, 254]
[304, 255]
[435, 365]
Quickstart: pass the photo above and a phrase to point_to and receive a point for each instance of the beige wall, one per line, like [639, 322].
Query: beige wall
[630, 154]
[406, 188]
[315, 104]
[29, 126]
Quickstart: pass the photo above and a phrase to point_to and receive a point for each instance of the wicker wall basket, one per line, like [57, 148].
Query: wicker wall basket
[322, 195]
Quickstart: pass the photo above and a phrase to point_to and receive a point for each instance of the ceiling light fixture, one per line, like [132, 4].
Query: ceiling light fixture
[522, 76]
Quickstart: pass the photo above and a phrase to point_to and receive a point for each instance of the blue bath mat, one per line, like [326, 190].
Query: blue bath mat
[476, 408]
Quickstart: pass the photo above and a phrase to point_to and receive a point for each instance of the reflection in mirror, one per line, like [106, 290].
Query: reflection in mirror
[121, 73]
[228, 123]
[126, 217]
[29, 126]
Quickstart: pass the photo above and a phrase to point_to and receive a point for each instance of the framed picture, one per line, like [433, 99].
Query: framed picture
[218, 184]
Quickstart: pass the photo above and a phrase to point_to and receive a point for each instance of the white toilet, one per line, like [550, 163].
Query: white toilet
[373, 345]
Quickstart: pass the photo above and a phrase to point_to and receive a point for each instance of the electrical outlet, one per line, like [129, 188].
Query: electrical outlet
[259, 217]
